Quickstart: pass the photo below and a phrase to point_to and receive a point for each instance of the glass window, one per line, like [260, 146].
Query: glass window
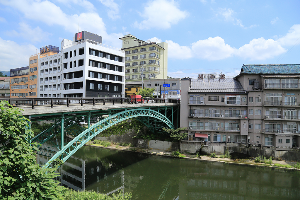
[257, 112]
[257, 126]
[257, 99]
[287, 141]
[99, 86]
[250, 111]
[91, 86]
[250, 99]
[279, 140]
[213, 98]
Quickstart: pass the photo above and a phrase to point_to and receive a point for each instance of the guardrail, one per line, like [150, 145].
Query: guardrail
[33, 102]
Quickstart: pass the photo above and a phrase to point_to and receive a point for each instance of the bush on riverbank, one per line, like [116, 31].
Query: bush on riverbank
[102, 143]
[75, 195]
[177, 154]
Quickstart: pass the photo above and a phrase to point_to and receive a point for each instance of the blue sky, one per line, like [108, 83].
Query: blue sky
[204, 36]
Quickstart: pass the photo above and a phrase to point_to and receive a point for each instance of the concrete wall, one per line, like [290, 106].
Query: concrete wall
[158, 145]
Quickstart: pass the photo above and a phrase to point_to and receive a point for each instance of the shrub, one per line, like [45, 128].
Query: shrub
[198, 155]
[257, 159]
[297, 166]
[213, 155]
[177, 154]
[75, 195]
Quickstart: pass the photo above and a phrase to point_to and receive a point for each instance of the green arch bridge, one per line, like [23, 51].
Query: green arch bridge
[68, 123]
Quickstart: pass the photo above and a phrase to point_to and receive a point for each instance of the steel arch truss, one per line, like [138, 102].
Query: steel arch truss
[69, 149]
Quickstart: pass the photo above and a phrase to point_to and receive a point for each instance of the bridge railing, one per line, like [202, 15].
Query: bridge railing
[51, 102]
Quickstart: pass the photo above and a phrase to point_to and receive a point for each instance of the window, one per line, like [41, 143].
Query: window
[250, 111]
[287, 141]
[99, 86]
[152, 61]
[173, 84]
[233, 100]
[99, 75]
[106, 87]
[135, 57]
[217, 138]
[152, 48]
[143, 56]
[279, 140]
[257, 112]
[257, 99]
[135, 63]
[143, 49]
[257, 126]
[134, 51]
[127, 64]
[251, 81]
[148, 85]
[250, 99]
[127, 52]
[91, 86]
[250, 126]
[143, 63]
[273, 99]
[269, 141]
[213, 98]
[116, 88]
[152, 55]
[127, 58]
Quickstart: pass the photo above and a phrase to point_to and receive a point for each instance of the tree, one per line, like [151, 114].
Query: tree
[1, 74]
[147, 92]
[177, 134]
[20, 176]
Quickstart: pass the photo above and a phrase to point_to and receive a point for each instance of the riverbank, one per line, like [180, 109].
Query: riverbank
[251, 161]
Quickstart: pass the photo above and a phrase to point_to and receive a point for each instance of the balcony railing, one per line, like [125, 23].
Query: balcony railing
[282, 86]
[289, 103]
[272, 116]
[272, 103]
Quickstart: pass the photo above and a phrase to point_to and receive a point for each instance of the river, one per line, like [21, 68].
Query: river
[157, 177]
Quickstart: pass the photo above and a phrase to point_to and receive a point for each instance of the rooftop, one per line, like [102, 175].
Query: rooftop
[216, 85]
[271, 69]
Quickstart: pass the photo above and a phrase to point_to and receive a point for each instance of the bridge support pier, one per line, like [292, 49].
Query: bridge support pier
[62, 130]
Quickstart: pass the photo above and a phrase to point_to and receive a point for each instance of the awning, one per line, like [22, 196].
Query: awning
[201, 135]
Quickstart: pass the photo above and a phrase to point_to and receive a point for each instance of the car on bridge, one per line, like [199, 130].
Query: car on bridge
[136, 99]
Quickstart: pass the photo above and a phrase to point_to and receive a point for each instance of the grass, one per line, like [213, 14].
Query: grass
[72, 194]
[213, 155]
[283, 165]
[102, 143]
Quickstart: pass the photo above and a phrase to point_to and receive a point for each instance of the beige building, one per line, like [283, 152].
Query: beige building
[4, 87]
[260, 107]
[147, 59]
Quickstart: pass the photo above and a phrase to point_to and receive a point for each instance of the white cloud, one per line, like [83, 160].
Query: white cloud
[274, 20]
[203, 1]
[13, 55]
[34, 35]
[212, 49]
[178, 52]
[155, 39]
[2, 19]
[161, 14]
[83, 3]
[113, 12]
[260, 49]
[228, 15]
[292, 37]
[35, 10]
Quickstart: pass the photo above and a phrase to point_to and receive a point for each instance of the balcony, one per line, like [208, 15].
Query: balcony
[272, 103]
[196, 102]
[282, 86]
[290, 103]
[272, 116]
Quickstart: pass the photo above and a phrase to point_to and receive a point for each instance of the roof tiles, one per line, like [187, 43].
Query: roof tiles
[271, 69]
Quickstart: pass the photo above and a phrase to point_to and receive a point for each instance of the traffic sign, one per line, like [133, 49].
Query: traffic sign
[166, 85]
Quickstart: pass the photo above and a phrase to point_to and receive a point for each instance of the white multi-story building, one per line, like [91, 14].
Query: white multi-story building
[83, 68]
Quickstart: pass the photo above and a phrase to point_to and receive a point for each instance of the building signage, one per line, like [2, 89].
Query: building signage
[79, 36]
[49, 48]
[166, 85]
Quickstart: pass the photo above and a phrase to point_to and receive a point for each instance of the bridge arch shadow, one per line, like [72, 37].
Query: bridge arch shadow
[68, 150]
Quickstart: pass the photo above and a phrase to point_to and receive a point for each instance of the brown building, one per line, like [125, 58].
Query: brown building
[24, 80]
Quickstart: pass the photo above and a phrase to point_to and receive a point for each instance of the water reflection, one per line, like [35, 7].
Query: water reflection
[155, 177]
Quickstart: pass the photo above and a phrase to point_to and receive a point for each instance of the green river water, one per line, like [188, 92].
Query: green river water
[156, 177]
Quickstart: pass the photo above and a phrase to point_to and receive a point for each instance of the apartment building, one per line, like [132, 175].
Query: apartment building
[273, 104]
[83, 68]
[4, 87]
[214, 109]
[147, 60]
[258, 107]
[19, 82]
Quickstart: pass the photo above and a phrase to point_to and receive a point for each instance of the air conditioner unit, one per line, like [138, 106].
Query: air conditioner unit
[192, 115]
[266, 117]
[241, 116]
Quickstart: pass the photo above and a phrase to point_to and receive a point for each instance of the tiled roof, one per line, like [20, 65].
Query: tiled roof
[271, 69]
[216, 85]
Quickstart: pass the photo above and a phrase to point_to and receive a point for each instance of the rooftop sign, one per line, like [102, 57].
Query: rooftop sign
[49, 48]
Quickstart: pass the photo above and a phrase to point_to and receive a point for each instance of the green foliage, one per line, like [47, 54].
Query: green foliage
[213, 155]
[20, 176]
[146, 92]
[176, 134]
[38, 128]
[102, 143]
[177, 154]
[122, 127]
[297, 165]
[198, 155]
[87, 195]
[263, 159]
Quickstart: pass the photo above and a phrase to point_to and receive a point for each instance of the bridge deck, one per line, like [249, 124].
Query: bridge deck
[46, 109]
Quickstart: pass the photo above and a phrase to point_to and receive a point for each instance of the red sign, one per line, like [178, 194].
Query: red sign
[201, 135]
[79, 36]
